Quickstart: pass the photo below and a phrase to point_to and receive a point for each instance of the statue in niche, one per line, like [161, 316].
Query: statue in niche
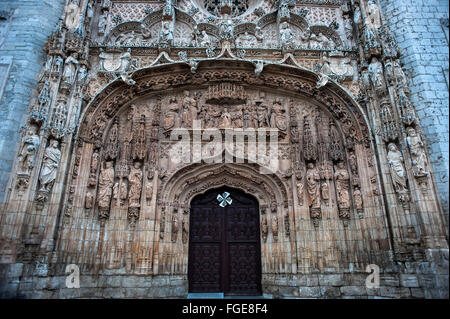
[127, 65]
[262, 115]
[373, 15]
[417, 150]
[205, 40]
[357, 17]
[353, 163]
[319, 41]
[72, 14]
[94, 165]
[348, 27]
[52, 157]
[148, 192]
[284, 10]
[185, 229]
[300, 193]
[275, 227]
[245, 40]
[165, 35]
[120, 192]
[342, 186]
[278, 118]
[247, 117]
[125, 61]
[226, 30]
[312, 183]
[175, 228]
[259, 34]
[89, 200]
[190, 111]
[70, 68]
[172, 118]
[286, 36]
[105, 185]
[325, 190]
[376, 75]
[102, 22]
[30, 145]
[135, 182]
[398, 173]
[357, 198]
[82, 73]
[225, 119]
[58, 64]
[48, 63]
[264, 228]
[146, 33]
[236, 116]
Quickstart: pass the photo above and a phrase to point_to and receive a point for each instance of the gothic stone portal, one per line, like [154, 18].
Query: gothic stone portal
[224, 245]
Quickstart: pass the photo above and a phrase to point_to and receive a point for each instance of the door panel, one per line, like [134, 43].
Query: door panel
[224, 245]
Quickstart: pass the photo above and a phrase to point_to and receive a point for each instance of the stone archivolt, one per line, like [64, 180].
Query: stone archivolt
[94, 157]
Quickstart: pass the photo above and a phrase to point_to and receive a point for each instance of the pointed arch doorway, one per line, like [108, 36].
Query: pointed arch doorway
[224, 243]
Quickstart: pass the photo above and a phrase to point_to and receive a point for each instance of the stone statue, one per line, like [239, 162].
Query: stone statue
[376, 75]
[89, 200]
[82, 73]
[342, 178]
[146, 33]
[70, 68]
[325, 190]
[58, 64]
[206, 40]
[312, 183]
[278, 118]
[135, 182]
[102, 22]
[275, 226]
[190, 110]
[165, 35]
[52, 157]
[357, 18]
[353, 163]
[72, 15]
[286, 36]
[264, 228]
[357, 198]
[120, 192]
[125, 59]
[398, 173]
[30, 145]
[417, 150]
[225, 119]
[300, 195]
[373, 14]
[262, 116]
[175, 228]
[105, 185]
[172, 118]
[185, 230]
[148, 192]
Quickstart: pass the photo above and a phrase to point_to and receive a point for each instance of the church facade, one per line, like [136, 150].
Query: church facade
[248, 147]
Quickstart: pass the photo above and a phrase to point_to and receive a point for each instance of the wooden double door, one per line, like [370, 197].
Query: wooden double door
[224, 243]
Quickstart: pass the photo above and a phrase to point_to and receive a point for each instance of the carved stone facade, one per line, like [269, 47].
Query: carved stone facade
[99, 180]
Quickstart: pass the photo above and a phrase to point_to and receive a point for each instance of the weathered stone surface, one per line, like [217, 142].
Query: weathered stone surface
[94, 186]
